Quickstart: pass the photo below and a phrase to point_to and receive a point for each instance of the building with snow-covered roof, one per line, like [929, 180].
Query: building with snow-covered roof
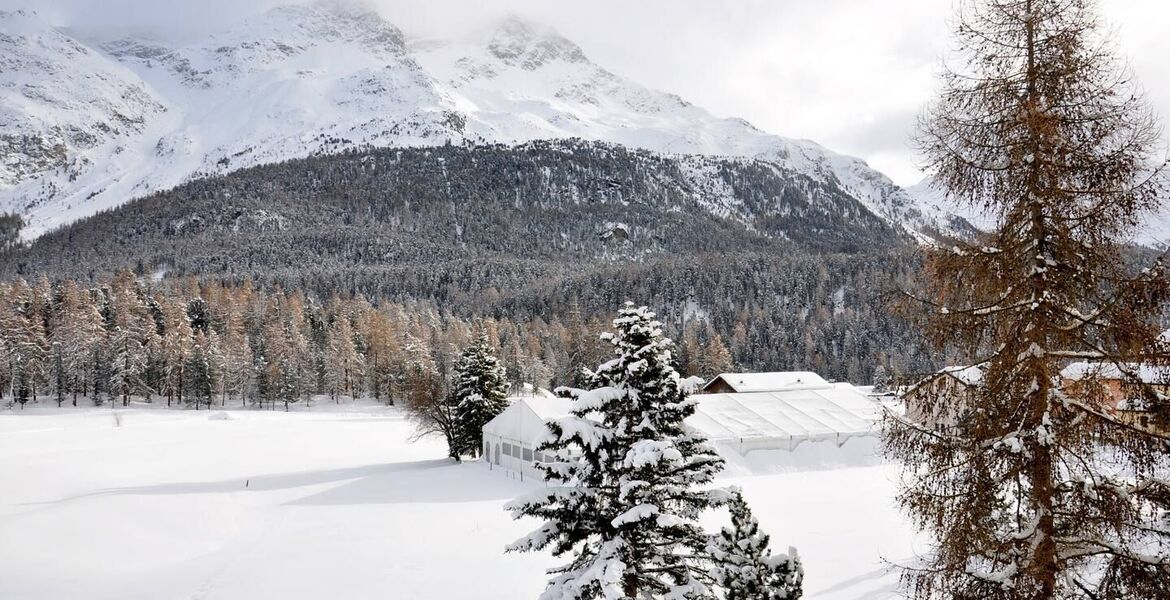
[1122, 388]
[924, 400]
[941, 400]
[763, 382]
[783, 420]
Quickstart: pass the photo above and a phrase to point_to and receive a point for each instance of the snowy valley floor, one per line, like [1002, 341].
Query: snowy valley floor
[335, 502]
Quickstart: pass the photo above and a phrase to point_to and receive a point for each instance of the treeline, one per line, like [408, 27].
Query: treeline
[10, 226]
[200, 344]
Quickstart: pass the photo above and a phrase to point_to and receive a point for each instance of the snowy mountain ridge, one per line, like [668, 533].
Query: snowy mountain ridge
[1154, 231]
[86, 127]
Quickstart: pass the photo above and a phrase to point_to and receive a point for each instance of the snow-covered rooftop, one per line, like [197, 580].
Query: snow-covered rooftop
[830, 412]
[969, 376]
[770, 382]
[1099, 370]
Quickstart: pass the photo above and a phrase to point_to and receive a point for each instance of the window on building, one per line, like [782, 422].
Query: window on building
[507, 449]
[527, 455]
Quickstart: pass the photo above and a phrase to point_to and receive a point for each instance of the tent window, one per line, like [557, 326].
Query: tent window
[507, 449]
[527, 454]
[539, 457]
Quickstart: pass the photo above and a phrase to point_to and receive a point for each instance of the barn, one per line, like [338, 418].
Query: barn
[780, 412]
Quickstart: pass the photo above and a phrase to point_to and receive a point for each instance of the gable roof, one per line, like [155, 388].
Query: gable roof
[1148, 374]
[525, 417]
[770, 382]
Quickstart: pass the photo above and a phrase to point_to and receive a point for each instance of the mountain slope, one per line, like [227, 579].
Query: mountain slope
[64, 109]
[564, 203]
[303, 80]
[1154, 231]
[544, 230]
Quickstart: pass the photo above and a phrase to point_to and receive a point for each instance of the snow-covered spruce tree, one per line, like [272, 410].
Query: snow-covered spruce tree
[480, 392]
[881, 379]
[628, 488]
[1040, 490]
[742, 566]
[199, 374]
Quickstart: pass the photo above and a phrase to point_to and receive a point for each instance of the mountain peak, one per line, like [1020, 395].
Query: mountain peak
[323, 21]
[22, 22]
[519, 42]
[319, 78]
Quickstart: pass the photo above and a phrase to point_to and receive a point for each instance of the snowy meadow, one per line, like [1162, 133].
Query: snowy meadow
[335, 500]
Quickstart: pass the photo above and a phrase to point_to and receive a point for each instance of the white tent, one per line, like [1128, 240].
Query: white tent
[735, 422]
[510, 439]
[782, 420]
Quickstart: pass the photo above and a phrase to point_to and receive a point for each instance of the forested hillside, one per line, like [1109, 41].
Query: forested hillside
[787, 271]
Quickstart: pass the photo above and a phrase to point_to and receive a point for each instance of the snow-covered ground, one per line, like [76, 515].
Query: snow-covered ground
[335, 502]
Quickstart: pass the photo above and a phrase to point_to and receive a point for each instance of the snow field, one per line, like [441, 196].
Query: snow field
[336, 502]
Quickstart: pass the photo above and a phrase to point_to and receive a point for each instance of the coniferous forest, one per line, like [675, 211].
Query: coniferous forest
[787, 273]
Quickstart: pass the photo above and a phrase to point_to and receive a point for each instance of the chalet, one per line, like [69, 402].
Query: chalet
[1120, 390]
[739, 383]
[922, 400]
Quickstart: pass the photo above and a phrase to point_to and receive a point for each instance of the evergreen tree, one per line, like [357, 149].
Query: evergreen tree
[199, 315]
[480, 392]
[20, 386]
[199, 374]
[742, 566]
[1039, 490]
[10, 226]
[626, 494]
[881, 379]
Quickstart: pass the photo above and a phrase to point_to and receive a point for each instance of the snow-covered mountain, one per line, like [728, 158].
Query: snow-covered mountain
[61, 105]
[86, 126]
[1154, 232]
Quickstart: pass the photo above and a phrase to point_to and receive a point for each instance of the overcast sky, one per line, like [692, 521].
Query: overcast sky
[850, 74]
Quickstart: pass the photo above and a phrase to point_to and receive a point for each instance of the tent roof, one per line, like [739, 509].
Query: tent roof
[548, 407]
[524, 418]
[830, 411]
[770, 382]
[799, 413]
